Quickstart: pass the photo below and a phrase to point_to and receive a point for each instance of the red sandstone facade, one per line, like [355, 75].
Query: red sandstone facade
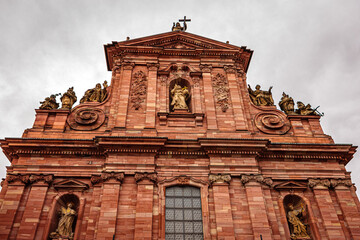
[115, 164]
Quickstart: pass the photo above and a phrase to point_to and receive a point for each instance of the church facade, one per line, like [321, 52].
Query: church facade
[177, 146]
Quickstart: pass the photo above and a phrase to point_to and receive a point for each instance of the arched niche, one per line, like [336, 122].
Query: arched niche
[183, 83]
[62, 203]
[298, 217]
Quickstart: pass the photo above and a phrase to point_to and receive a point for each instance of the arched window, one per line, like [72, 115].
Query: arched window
[183, 215]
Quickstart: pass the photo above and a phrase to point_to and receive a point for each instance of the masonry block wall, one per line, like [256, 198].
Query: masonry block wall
[247, 161]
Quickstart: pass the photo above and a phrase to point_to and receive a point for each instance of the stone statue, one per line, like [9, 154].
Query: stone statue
[287, 104]
[65, 225]
[179, 96]
[260, 97]
[305, 110]
[176, 27]
[298, 228]
[50, 102]
[68, 99]
[95, 94]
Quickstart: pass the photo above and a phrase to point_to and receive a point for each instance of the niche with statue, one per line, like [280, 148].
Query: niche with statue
[180, 96]
[297, 217]
[63, 221]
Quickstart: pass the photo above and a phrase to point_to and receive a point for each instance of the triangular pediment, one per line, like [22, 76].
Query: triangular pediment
[71, 184]
[291, 185]
[179, 40]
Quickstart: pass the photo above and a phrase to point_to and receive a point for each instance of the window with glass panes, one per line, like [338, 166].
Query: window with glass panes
[183, 216]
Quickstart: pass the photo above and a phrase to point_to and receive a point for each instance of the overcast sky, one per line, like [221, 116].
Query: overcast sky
[308, 49]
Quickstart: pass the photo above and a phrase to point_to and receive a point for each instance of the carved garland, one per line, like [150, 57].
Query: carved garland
[221, 90]
[256, 178]
[138, 90]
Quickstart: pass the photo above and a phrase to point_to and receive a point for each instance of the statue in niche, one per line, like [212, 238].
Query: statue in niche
[96, 94]
[295, 217]
[260, 97]
[287, 104]
[65, 225]
[179, 97]
[50, 102]
[68, 99]
[306, 110]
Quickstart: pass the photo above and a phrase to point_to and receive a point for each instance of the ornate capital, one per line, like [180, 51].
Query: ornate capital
[320, 183]
[196, 81]
[128, 65]
[20, 178]
[220, 178]
[153, 66]
[41, 177]
[145, 176]
[163, 80]
[206, 68]
[341, 182]
[246, 178]
[116, 66]
[229, 69]
[105, 176]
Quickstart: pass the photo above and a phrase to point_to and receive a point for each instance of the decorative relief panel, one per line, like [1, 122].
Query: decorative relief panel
[138, 90]
[221, 91]
[86, 119]
[272, 123]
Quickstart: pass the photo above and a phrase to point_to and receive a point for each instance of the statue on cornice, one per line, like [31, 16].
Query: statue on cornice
[178, 27]
[260, 97]
[50, 102]
[307, 110]
[95, 94]
[68, 99]
[298, 230]
[179, 97]
[287, 104]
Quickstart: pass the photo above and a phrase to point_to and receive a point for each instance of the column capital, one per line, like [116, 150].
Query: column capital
[259, 178]
[128, 65]
[205, 68]
[219, 178]
[153, 66]
[13, 179]
[229, 69]
[143, 176]
[47, 178]
[341, 183]
[106, 176]
[318, 183]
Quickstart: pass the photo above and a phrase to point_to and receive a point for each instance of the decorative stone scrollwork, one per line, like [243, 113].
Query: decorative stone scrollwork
[272, 123]
[206, 68]
[245, 178]
[341, 182]
[220, 178]
[46, 178]
[138, 89]
[86, 119]
[105, 176]
[183, 180]
[319, 183]
[221, 91]
[229, 69]
[12, 178]
[145, 176]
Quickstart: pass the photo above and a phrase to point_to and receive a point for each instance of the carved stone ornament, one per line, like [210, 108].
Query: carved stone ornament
[196, 81]
[163, 80]
[341, 182]
[128, 65]
[221, 91]
[145, 176]
[96, 94]
[229, 69]
[220, 178]
[272, 123]
[86, 119]
[50, 102]
[246, 178]
[177, 71]
[105, 176]
[22, 178]
[287, 104]
[68, 99]
[138, 90]
[206, 68]
[46, 178]
[319, 183]
[183, 180]
[260, 97]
